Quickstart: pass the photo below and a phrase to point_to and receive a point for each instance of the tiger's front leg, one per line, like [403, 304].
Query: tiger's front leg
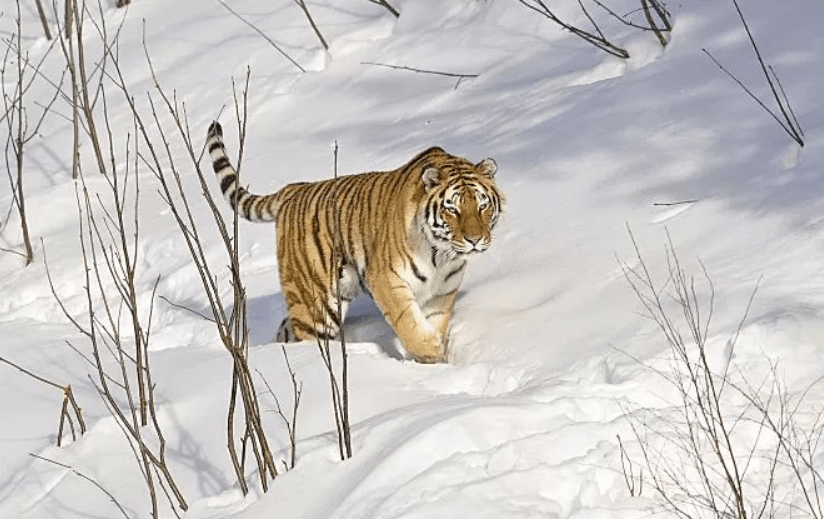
[394, 297]
[438, 311]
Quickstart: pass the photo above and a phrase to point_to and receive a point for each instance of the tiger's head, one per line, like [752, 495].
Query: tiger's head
[462, 205]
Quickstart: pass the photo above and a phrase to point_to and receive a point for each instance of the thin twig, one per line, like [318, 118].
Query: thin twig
[789, 122]
[420, 70]
[794, 133]
[599, 41]
[187, 309]
[754, 97]
[460, 77]
[681, 202]
[87, 478]
[266, 37]
[305, 9]
[385, 4]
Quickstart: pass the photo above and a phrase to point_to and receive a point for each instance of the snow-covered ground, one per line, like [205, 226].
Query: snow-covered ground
[548, 347]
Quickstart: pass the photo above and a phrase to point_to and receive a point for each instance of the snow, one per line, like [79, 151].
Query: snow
[549, 349]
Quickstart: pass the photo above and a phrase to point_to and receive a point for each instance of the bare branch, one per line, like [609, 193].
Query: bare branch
[388, 7]
[305, 9]
[87, 478]
[267, 38]
[599, 41]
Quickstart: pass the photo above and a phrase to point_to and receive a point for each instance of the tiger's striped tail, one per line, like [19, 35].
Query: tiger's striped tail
[252, 207]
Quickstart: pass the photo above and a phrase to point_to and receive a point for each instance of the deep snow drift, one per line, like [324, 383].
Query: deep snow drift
[547, 341]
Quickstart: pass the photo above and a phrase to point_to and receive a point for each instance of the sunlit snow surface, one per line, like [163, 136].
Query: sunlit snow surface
[549, 348]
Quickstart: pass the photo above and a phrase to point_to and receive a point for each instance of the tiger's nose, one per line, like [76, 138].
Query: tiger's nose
[473, 240]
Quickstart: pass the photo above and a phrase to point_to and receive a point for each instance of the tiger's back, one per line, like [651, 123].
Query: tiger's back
[402, 235]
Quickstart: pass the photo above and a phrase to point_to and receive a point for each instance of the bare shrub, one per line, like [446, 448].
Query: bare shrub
[232, 326]
[291, 420]
[728, 447]
[22, 127]
[116, 323]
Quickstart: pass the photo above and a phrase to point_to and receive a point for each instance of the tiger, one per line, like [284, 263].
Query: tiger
[401, 236]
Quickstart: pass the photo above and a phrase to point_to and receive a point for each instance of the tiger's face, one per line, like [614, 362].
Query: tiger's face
[462, 206]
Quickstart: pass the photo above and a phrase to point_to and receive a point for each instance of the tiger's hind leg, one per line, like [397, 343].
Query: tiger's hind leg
[321, 314]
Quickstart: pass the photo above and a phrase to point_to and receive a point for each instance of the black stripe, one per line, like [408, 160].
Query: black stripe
[454, 272]
[324, 336]
[221, 164]
[438, 296]
[215, 145]
[434, 257]
[417, 272]
[316, 239]
[226, 183]
[246, 206]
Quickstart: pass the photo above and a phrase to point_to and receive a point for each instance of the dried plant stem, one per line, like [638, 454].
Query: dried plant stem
[20, 131]
[108, 233]
[87, 478]
[339, 392]
[647, 6]
[693, 455]
[233, 328]
[264, 35]
[663, 16]
[292, 420]
[68, 400]
[388, 7]
[305, 9]
[43, 19]
[787, 121]
[597, 40]
[460, 77]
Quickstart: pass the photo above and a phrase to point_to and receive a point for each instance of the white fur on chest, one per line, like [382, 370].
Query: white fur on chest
[434, 275]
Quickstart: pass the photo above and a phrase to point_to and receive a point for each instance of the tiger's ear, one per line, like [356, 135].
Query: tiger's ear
[487, 167]
[431, 178]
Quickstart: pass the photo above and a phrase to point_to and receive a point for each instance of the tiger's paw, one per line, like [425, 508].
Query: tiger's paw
[431, 359]
[429, 350]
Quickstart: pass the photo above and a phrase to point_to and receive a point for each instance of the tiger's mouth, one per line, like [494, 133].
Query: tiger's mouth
[468, 248]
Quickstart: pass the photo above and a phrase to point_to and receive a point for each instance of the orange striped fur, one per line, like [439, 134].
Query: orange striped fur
[403, 236]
